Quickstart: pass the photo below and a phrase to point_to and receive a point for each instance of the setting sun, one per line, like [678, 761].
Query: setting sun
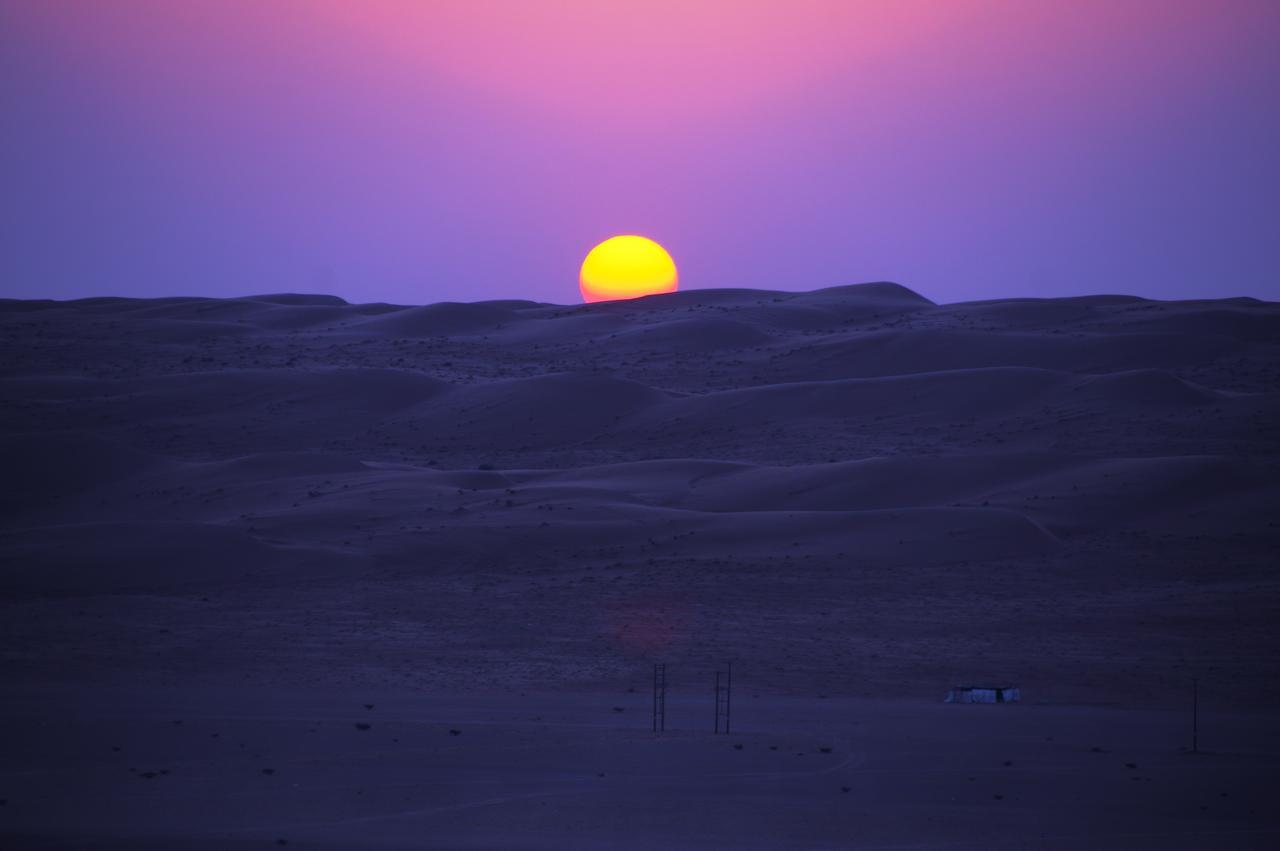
[626, 267]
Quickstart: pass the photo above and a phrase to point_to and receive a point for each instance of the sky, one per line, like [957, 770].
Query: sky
[415, 151]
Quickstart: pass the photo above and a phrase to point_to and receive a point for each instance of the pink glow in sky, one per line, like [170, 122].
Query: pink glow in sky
[416, 151]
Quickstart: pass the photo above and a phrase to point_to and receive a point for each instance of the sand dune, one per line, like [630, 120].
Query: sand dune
[758, 455]
[549, 409]
[881, 291]
[563, 410]
[692, 335]
[442, 320]
[300, 298]
[1244, 323]
[882, 353]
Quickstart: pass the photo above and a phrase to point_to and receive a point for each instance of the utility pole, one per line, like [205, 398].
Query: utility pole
[728, 695]
[724, 697]
[659, 697]
[1195, 715]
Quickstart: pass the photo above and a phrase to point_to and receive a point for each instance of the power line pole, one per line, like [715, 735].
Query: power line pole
[1195, 715]
[728, 694]
[724, 697]
[659, 697]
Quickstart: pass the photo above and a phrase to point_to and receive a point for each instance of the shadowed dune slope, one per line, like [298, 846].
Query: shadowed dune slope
[882, 353]
[438, 320]
[152, 557]
[44, 470]
[691, 335]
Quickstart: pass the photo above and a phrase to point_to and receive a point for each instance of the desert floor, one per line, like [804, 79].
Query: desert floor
[229, 524]
[217, 768]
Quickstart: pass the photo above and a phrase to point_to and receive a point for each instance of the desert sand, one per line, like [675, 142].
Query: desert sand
[229, 525]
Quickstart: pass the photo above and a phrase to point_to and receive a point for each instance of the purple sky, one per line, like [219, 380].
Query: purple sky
[391, 150]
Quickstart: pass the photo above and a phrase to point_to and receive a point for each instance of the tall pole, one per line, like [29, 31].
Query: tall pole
[662, 699]
[716, 728]
[659, 697]
[1195, 715]
[728, 695]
